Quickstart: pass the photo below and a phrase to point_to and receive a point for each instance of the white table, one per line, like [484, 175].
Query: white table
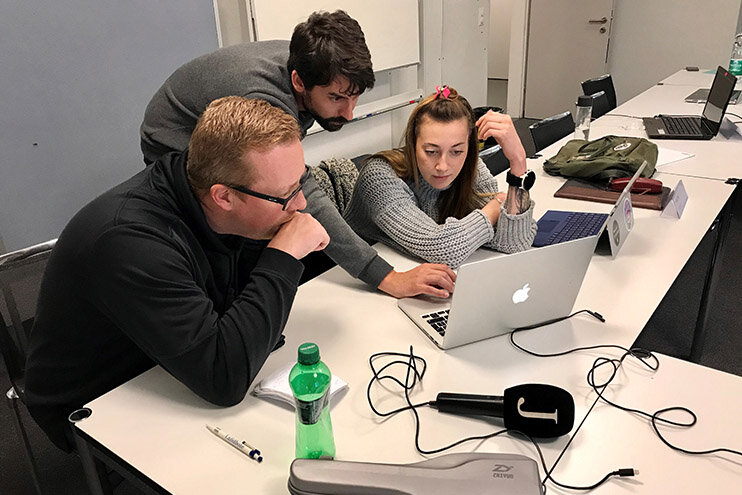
[157, 426]
[701, 78]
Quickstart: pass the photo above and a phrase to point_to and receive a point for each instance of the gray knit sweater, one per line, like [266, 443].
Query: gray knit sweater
[395, 211]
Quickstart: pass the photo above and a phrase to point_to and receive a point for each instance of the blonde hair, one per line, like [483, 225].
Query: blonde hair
[228, 128]
[460, 199]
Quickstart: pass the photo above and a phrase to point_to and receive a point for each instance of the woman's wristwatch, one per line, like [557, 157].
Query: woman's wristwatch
[525, 181]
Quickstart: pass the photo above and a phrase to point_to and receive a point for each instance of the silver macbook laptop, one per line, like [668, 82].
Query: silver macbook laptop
[503, 292]
[702, 95]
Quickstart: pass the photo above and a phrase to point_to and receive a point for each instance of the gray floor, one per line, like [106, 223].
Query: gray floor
[671, 328]
[669, 331]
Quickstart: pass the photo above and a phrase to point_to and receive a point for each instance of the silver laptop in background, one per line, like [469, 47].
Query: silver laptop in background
[495, 295]
[702, 95]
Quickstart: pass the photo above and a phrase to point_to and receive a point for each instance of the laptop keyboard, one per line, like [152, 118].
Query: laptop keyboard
[438, 321]
[577, 226]
[682, 126]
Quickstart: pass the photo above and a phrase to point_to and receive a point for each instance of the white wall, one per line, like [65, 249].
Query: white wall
[501, 14]
[649, 41]
[232, 22]
[517, 57]
[653, 39]
[464, 48]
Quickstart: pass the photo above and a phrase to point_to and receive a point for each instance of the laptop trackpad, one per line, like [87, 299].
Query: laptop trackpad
[421, 304]
[547, 226]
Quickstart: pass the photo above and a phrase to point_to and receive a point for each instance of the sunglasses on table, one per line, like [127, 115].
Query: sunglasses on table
[274, 199]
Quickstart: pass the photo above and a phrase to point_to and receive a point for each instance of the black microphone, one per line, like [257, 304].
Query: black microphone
[538, 410]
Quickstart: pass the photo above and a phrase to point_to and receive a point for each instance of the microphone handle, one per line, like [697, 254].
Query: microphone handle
[471, 404]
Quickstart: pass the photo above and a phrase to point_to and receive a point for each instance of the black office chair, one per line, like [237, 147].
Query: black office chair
[551, 130]
[495, 160]
[601, 105]
[20, 279]
[602, 83]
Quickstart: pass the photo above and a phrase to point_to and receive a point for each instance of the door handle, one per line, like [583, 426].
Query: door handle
[602, 20]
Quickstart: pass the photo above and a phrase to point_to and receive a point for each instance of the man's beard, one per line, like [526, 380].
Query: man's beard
[331, 124]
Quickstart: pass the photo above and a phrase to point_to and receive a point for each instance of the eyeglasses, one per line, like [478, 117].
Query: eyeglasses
[284, 202]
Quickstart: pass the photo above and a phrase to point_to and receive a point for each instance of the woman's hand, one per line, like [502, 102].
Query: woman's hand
[500, 127]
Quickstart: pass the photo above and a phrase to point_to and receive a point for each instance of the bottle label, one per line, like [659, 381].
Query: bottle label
[735, 66]
[309, 411]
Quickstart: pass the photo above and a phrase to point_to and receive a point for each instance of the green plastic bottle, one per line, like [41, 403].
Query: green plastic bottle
[735, 61]
[310, 382]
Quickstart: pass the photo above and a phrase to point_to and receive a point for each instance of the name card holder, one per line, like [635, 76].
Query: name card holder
[676, 204]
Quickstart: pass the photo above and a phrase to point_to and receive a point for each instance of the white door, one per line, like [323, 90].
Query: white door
[567, 43]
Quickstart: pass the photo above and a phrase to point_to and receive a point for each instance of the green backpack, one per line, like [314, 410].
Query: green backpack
[603, 159]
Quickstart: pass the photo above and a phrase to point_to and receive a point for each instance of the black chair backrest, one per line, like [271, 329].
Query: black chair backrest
[602, 83]
[496, 161]
[551, 130]
[600, 104]
[20, 280]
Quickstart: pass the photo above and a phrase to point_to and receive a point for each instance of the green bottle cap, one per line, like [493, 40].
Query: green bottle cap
[308, 353]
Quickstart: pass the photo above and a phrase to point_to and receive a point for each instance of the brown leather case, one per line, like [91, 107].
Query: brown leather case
[579, 189]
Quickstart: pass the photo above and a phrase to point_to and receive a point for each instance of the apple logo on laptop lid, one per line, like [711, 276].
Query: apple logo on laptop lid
[521, 295]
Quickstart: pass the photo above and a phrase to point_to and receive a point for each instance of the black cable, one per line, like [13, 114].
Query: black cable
[407, 386]
[646, 358]
[376, 377]
[734, 114]
[412, 371]
[656, 417]
[598, 316]
[594, 314]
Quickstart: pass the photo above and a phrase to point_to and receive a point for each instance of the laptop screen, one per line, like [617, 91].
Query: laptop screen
[718, 98]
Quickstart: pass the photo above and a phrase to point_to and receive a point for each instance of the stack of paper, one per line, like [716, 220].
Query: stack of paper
[276, 386]
[666, 155]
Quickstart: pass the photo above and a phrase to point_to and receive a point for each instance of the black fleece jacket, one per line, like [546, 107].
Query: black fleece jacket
[138, 278]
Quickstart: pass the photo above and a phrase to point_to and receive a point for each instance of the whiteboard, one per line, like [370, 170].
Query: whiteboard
[390, 26]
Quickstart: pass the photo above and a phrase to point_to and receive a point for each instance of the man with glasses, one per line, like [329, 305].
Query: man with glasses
[316, 77]
[191, 264]
[284, 202]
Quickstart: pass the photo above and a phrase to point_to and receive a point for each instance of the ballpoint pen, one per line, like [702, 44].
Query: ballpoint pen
[240, 445]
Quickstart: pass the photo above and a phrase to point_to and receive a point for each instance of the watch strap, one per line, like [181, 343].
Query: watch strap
[525, 181]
